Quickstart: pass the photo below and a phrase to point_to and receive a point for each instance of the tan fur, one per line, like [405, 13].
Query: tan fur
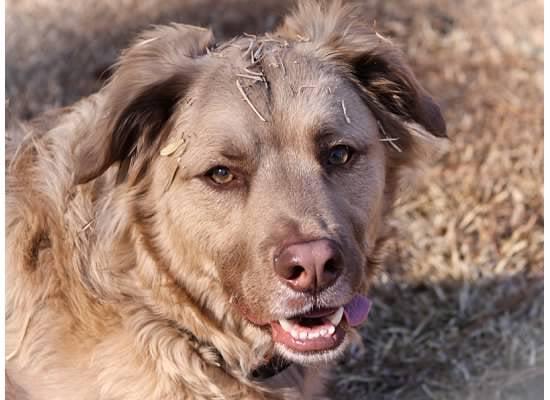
[129, 276]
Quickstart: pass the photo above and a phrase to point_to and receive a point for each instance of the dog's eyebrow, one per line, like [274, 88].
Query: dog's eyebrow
[232, 151]
[330, 136]
[233, 155]
[326, 133]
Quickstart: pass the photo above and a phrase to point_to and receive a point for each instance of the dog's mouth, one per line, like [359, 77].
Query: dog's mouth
[320, 330]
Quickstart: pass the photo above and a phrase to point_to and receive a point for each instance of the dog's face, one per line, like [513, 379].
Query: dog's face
[271, 166]
[287, 209]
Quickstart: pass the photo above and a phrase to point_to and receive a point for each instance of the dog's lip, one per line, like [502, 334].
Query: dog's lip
[355, 312]
[314, 313]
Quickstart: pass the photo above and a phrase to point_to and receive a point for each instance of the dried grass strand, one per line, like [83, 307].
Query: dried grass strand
[251, 77]
[301, 88]
[87, 226]
[172, 177]
[248, 101]
[345, 112]
[387, 138]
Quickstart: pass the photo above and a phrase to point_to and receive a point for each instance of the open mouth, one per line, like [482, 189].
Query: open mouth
[320, 330]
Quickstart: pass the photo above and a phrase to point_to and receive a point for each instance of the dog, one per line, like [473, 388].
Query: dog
[207, 225]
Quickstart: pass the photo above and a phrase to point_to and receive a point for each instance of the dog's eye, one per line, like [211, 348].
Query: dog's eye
[220, 175]
[339, 155]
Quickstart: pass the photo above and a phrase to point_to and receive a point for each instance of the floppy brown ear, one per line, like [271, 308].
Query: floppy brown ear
[151, 77]
[389, 83]
[340, 33]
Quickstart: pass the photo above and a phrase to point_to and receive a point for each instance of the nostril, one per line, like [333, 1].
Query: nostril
[331, 266]
[295, 272]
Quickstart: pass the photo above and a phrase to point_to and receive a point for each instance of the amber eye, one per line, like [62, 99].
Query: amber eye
[339, 155]
[220, 175]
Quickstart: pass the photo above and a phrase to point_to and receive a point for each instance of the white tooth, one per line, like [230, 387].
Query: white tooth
[323, 332]
[337, 316]
[331, 330]
[294, 334]
[286, 325]
[303, 335]
[313, 335]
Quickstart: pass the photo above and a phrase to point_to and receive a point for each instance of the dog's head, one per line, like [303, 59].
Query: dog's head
[272, 158]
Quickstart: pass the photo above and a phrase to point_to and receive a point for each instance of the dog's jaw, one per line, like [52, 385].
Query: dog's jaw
[318, 336]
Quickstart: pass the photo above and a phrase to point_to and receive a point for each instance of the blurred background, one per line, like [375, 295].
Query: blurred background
[458, 309]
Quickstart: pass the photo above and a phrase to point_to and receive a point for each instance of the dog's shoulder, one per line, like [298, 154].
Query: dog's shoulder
[39, 180]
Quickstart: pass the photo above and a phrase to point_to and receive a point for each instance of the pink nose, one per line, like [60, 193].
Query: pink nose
[310, 266]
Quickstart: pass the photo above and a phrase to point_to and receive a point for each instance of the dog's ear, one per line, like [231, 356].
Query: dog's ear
[406, 113]
[151, 77]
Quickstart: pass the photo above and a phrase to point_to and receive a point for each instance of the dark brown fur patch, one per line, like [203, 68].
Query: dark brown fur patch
[39, 243]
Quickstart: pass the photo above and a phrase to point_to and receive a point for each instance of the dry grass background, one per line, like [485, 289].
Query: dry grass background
[458, 310]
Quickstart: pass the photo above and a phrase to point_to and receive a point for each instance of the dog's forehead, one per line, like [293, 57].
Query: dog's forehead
[284, 95]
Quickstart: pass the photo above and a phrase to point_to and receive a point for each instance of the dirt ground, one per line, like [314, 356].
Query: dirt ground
[458, 309]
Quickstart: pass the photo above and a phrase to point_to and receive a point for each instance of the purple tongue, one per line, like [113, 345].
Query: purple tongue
[357, 310]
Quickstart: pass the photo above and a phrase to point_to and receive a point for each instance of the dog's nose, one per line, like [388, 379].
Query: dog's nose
[310, 266]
